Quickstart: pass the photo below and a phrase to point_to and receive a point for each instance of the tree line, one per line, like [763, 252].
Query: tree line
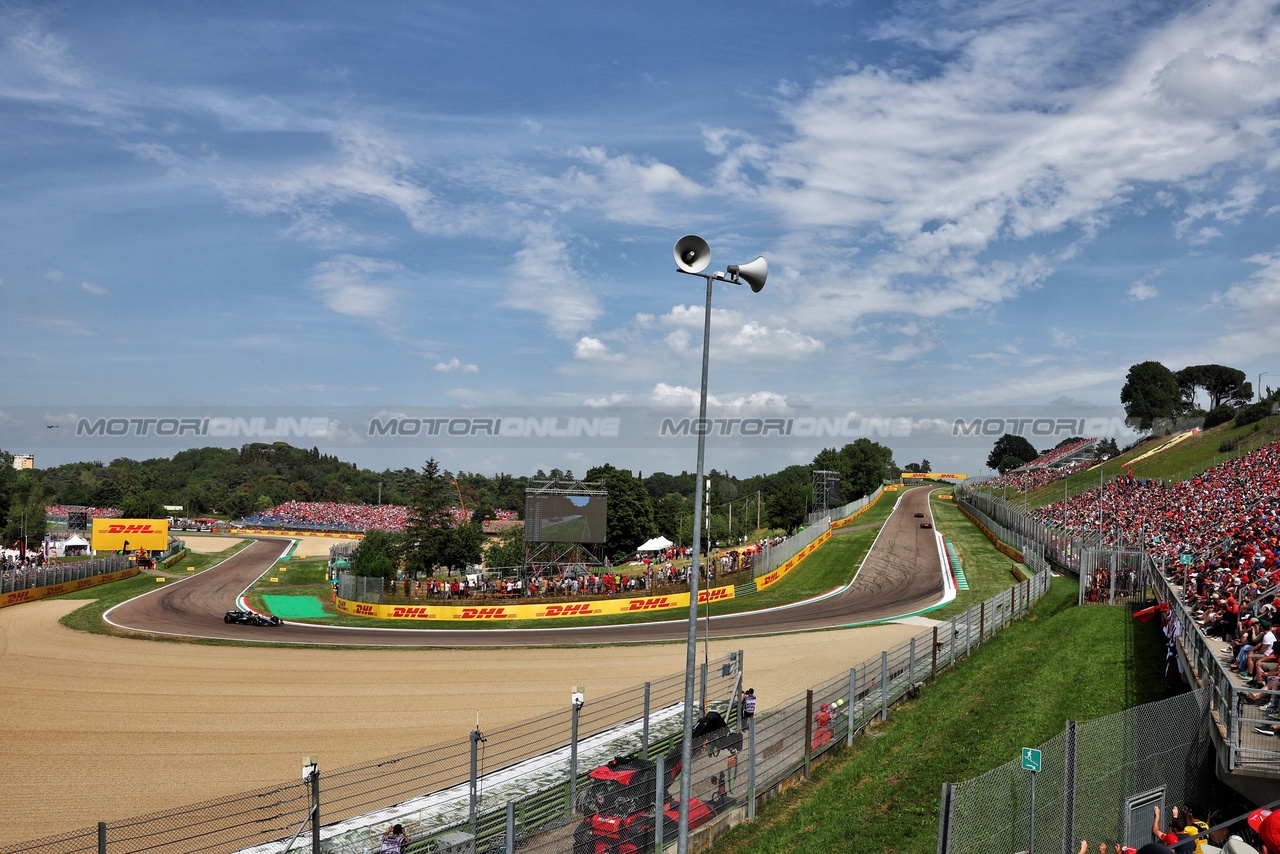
[234, 483]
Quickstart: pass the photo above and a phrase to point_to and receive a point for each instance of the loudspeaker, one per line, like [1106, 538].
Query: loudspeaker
[753, 274]
[692, 253]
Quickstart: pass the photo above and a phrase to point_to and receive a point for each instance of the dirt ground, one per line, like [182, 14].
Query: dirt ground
[99, 728]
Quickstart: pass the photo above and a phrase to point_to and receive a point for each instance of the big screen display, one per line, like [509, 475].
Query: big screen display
[565, 518]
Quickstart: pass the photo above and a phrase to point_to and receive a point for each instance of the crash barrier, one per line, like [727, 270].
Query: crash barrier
[1031, 552]
[27, 585]
[530, 783]
[1098, 780]
[299, 531]
[1027, 534]
[769, 559]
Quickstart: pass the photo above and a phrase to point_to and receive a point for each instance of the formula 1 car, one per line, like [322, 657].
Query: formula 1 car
[926, 525]
[250, 618]
[619, 804]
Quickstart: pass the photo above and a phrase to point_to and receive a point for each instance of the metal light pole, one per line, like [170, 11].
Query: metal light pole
[692, 256]
[1260, 376]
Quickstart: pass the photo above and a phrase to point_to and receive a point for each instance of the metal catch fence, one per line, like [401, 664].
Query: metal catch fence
[527, 786]
[1098, 780]
[17, 578]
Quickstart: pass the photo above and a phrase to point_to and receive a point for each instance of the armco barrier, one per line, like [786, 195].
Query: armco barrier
[516, 783]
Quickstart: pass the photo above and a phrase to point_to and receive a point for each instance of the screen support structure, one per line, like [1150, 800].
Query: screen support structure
[555, 559]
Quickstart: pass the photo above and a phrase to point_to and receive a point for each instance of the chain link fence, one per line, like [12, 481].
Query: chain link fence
[1098, 780]
[773, 557]
[527, 785]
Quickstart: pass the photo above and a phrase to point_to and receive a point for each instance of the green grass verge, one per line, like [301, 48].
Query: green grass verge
[986, 569]
[1016, 691]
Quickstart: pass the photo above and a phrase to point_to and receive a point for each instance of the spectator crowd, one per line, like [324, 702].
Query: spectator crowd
[355, 518]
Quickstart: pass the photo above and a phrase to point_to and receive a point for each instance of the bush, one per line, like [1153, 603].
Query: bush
[1221, 415]
[1251, 413]
[1226, 446]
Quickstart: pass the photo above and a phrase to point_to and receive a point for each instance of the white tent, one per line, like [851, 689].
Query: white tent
[76, 541]
[656, 544]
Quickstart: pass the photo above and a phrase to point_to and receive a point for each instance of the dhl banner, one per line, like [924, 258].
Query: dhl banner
[933, 475]
[35, 593]
[110, 535]
[777, 575]
[541, 611]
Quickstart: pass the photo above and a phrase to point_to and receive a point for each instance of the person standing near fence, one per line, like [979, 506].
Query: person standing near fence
[395, 840]
[749, 704]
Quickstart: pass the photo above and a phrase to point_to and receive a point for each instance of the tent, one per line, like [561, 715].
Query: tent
[655, 545]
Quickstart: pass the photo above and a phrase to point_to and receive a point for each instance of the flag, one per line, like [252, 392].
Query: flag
[1146, 614]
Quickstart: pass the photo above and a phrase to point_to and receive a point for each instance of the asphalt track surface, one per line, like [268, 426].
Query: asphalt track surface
[901, 575]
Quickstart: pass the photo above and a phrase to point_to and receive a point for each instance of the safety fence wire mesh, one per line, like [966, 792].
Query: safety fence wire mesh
[1158, 746]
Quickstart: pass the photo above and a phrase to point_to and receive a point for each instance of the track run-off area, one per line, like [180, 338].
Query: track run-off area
[100, 728]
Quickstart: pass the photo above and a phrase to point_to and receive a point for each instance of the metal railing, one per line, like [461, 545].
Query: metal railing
[773, 557]
[17, 578]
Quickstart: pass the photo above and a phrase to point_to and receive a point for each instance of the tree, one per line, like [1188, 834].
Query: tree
[1224, 385]
[1013, 446]
[142, 507]
[786, 508]
[630, 520]
[377, 555]
[464, 546]
[508, 550]
[1150, 391]
[1008, 464]
[923, 467]
[861, 465]
[427, 531]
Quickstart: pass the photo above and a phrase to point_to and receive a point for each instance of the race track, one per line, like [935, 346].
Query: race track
[900, 576]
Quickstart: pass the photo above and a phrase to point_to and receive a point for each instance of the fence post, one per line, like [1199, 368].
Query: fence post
[933, 667]
[884, 686]
[511, 827]
[954, 639]
[315, 809]
[475, 781]
[704, 685]
[911, 663]
[1069, 789]
[751, 768]
[808, 732]
[853, 693]
[1012, 603]
[982, 621]
[102, 837]
[573, 756]
[660, 798]
[944, 820]
[644, 746]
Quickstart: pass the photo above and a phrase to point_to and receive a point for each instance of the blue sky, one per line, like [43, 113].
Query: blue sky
[443, 205]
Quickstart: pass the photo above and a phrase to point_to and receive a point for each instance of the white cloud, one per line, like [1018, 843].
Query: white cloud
[1142, 291]
[544, 281]
[96, 290]
[54, 276]
[616, 398]
[347, 284]
[455, 364]
[594, 350]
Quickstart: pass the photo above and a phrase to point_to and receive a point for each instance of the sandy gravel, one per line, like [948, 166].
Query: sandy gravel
[207, 544]
[100, 728]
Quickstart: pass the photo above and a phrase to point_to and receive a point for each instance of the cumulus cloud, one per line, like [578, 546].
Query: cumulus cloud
[351, 285]
[594, 350]
[544, 281]
[455, 364]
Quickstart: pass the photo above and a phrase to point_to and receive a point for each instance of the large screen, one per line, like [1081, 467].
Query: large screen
[564, 518]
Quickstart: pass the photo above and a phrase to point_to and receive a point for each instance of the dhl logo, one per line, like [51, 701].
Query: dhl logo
[649, 604]
[716, 595]
[484, 614]
[132, 529]
[582, 609]
[412, 613]
[19, 596]
[771, 577]
[363, 610]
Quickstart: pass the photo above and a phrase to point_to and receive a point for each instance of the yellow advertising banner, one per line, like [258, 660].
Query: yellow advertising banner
[777, 575]
[110, 535]
[34, 593]
[540, 611]
[934, 475]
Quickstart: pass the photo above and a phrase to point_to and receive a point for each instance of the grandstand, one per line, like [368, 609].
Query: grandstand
[346, 518]
[1053, 466]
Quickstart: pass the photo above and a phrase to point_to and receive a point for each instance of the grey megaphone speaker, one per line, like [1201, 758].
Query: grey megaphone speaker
[692, 253]
[753, 274]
